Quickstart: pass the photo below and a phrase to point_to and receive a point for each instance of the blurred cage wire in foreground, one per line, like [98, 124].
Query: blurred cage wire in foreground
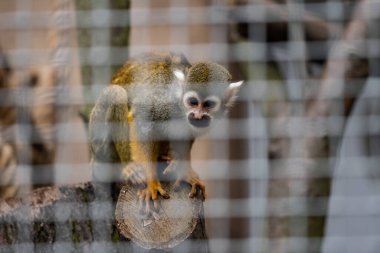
[294, 168]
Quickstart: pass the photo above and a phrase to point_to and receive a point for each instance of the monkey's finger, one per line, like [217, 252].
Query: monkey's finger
[163, 193]
[193, 191]
[154, 195]
[155, 204]
[147, 204]
[203, 191]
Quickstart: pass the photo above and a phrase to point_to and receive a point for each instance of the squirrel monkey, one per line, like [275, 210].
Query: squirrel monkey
[156, 105]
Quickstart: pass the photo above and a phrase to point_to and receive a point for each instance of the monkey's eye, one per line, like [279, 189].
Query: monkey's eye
[193, 101]
[209, 104]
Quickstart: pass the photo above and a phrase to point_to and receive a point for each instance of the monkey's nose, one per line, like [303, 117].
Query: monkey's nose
[204, 121]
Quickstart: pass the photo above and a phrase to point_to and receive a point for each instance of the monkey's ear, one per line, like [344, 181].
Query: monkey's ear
[180, 76]
[231, 94]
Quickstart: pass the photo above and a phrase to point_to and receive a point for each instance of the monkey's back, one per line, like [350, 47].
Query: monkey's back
[150, 68]
[153, 92]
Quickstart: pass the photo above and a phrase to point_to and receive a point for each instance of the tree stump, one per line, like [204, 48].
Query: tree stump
[81, 218]
[174, 221]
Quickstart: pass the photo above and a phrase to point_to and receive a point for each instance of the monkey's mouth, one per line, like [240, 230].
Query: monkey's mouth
[200, 123]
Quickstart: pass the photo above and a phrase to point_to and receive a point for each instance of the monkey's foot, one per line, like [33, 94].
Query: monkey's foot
[149, 196]
[134, 173]
[196, 184]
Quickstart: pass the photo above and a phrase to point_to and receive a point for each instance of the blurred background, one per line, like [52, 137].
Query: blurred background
[295, 168]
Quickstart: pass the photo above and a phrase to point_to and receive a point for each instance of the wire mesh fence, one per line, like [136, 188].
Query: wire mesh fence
[294, 166]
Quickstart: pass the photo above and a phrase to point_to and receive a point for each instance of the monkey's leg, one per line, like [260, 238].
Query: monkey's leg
[108, 130]
[180, 164]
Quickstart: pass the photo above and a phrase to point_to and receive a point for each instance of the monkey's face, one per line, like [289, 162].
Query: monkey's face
[201, 110]
[207, 94]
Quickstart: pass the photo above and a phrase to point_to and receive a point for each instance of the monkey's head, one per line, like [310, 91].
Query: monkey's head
[208, 94]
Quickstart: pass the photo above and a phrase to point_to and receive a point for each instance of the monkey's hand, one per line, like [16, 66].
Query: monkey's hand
[134, 173]
[149, 196]
[191, 177]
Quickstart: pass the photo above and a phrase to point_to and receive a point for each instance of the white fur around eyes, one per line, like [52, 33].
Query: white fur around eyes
[188, 95]
[217, 102]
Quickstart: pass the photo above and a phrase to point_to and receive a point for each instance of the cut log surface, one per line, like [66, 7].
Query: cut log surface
[174, 221]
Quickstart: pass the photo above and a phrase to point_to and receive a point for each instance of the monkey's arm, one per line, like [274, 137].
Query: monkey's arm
[145, 152]
[108, 128]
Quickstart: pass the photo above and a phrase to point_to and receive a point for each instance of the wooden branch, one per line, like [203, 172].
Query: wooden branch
[278, 17]
[315, 27]
[347, 61]
[80, 218]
